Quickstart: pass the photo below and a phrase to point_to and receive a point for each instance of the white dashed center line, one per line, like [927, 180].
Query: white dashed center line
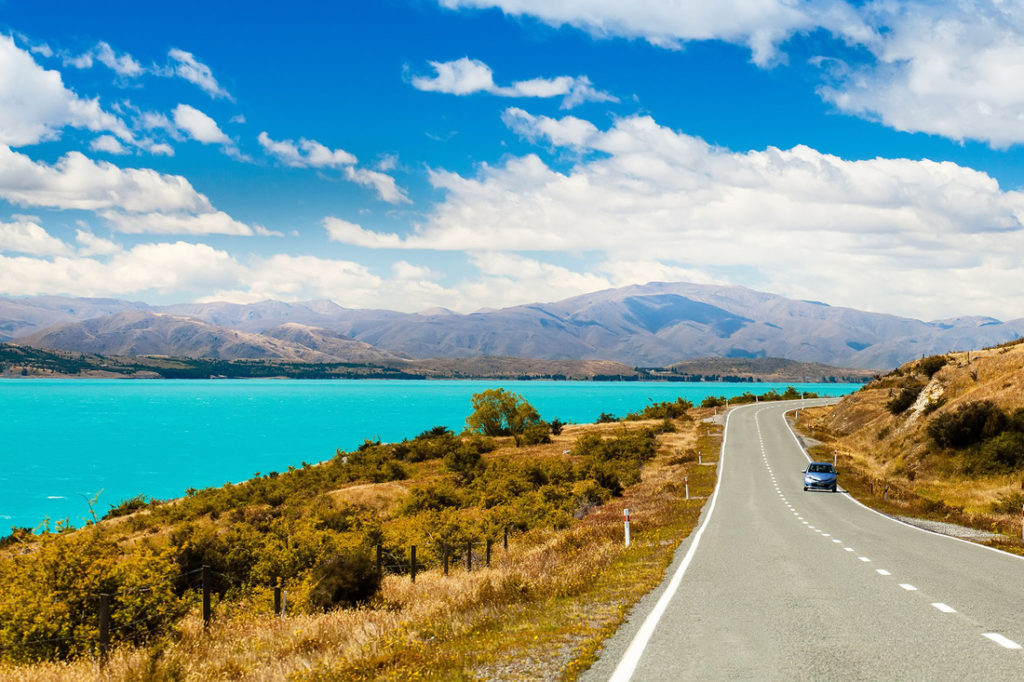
[882, 571]
[847, 549]
[908, 587]
[864, 558]
[1002, 641]
[945, 608]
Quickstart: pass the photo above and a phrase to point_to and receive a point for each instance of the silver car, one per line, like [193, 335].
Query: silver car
[820, 476]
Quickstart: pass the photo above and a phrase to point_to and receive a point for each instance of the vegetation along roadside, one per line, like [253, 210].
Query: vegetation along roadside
[357, 602]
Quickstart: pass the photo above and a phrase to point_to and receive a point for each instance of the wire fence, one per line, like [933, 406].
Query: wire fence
[403, 561]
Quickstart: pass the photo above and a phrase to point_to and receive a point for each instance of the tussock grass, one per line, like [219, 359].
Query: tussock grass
[541, 611]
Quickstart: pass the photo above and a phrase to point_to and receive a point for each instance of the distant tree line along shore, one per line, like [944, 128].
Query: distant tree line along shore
[26, 361]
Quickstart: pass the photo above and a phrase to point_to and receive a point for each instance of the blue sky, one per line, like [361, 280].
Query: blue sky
[483, 153]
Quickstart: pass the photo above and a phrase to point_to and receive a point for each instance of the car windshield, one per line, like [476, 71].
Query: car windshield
[820, 469]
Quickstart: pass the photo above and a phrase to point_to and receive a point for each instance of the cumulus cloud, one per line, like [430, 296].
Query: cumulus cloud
[210, 222]
[343, 231]
[944, 68]
[131, 199]
[109, 144]
[795, 221]
[27, 236]
[761, 26]
[35, 105]
[312, 154]
[466, 76]
[185, 65]
[91, 245]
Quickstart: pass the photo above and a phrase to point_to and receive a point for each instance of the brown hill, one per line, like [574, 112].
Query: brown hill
[940, 437]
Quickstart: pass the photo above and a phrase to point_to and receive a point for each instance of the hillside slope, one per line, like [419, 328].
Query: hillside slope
[942, 437]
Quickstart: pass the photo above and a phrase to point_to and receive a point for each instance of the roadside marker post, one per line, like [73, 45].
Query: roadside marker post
[1022, 523]
[686, 480]
[625, 512]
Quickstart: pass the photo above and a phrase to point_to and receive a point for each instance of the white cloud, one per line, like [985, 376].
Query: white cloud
[780, 220]
[35, 105]
[760, 25]
[161, 149]
[109, 144]
[312, 154]
[186, 66]
[26, 236]
[210, 222]
[305, 153]
[466, 76]
[91, 245]
[199, 126]
[165, 267]
[124, 65]
[386, 187]
[349, 233]
[131, 199]
[945, 68]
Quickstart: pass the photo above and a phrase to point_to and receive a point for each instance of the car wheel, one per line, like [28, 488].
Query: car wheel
[833, 488]
[805, 488]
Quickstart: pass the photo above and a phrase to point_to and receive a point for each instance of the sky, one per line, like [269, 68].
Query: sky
[472, 154]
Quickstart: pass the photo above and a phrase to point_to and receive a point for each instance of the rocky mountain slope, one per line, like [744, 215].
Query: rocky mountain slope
[650, 325]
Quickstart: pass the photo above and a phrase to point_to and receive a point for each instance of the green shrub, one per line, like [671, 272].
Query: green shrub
[536, 434]
[556, 426]
[930, 365]
[904, 398]
[1009, 504]
[662, 410]
[606, 418]
[126, 507]
[970, 423]
[348, 579]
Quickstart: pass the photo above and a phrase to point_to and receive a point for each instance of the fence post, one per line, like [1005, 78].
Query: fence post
[104, 617]
[469, 555]
[444, 559]
[380, 560]
[488, 555]
[505, 545]
[205, 573]
[277, 597]
[412, 563]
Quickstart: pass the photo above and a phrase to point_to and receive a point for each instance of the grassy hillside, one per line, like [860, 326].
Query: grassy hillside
[941, 438]
[540, 610]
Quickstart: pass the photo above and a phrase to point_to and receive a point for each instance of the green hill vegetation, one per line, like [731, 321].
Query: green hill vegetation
[339, 537]
[940, 438]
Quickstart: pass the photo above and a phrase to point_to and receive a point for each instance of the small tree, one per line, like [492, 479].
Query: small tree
[497, 412]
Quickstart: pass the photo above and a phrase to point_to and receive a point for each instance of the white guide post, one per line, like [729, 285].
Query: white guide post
[625, 512]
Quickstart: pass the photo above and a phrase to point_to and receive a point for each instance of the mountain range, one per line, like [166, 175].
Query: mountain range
[651, 325]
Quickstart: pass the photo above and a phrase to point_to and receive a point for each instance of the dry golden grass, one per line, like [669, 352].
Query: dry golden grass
[877, 448]
[540, 611]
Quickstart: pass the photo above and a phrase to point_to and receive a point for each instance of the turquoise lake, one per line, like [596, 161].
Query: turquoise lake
[63, 441]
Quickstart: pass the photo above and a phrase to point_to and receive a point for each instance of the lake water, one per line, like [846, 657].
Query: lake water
[62, 441]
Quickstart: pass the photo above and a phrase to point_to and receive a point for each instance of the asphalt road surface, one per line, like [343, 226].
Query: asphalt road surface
[780, 584]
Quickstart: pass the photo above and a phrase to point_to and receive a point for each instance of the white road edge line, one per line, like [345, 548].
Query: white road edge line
[1002, 641]
[851, 498]
[627, 665]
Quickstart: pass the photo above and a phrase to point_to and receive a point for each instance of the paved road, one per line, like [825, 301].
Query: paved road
[781, 584]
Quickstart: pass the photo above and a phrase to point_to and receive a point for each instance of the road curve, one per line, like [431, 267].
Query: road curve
[781, 584]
